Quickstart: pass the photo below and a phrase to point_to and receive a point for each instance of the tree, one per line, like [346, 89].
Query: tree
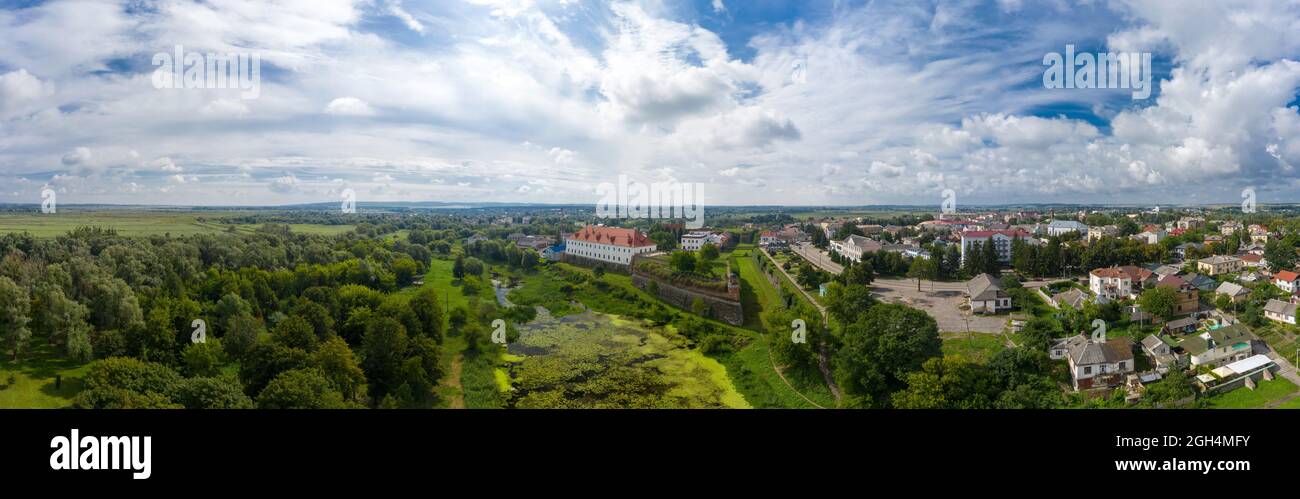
[404, 270]
[1159, 301]
[241, 334]
[1038, 334]
[698, 307]
[300, 389]
[322, 322]
[338, 364]
[214, 392]
[989, 258]
[947, 383]
[203, 359]
[384, 350]
[880, 349]
[14, 310]
[128, 383]
[428, 310]
[708, 253]
[295, 332]
[846, 303]
[458, 268]
[683, 261]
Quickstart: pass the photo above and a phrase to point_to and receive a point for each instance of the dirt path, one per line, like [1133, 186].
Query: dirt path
[453, 380]
[823, 362]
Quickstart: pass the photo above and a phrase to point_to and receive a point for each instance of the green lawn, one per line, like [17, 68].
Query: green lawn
[974, 347]
[1245, 398]
[34, 374]
[756, 292]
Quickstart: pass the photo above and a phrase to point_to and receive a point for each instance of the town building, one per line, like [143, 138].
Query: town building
[1220, 264]
[1219, 346]
[1280, 311]
[1100, 231]
[1063, 227]
[1100, 365]
[1001, 240]
[1186, 296]
[1287, 280]
[608, 245]
[854, 246]
[985, 295]
[1117, 283]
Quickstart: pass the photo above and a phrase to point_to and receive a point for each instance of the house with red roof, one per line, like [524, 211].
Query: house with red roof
[607, 245]
[1287, 280]
[1118, 283]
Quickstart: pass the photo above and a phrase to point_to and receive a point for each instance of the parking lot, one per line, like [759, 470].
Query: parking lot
[942, 300]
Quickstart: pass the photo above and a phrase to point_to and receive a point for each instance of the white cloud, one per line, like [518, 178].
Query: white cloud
[348, 106]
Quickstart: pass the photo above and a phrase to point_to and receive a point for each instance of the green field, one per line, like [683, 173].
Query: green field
[1245, 398]
[34, 380]
[139, 223]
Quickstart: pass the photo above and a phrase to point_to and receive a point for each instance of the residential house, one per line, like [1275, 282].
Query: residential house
[1259, 235]
[792, 234]
[985, 295]
[1001, 240]
[1220, 264]
[474, 239]
[1230, 227]
[766, 238]
[1061, 348]
[1252, 260]
[1151, 236]
[1190, 223]
[693, 241]
[1074, 297]
[1235, 292]
[1219, 346]
[1204, 283]
[1186, 296]
[1117, 283]
[1180, 326]
[1181, 250]
[1099, 365]
[1280, 311]
[1100, 231]
[1252, 247]
[1160, 351]
[871, 229]
[1287, 280]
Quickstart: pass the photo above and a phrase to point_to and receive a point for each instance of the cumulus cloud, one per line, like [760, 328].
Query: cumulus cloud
[881, 102]
[348, 106]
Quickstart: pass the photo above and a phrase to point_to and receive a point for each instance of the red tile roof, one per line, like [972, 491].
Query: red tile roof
[1132, 272]
[1287, 275]
[615, 236]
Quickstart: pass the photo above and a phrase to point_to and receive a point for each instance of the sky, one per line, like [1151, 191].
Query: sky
[542, 101]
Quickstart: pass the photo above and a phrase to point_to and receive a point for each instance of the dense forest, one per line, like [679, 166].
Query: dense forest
[310, 321]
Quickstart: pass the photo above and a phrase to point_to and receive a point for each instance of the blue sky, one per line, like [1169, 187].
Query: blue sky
[761, 102]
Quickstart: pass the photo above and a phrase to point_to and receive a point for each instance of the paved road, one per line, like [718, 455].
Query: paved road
[818, 257]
